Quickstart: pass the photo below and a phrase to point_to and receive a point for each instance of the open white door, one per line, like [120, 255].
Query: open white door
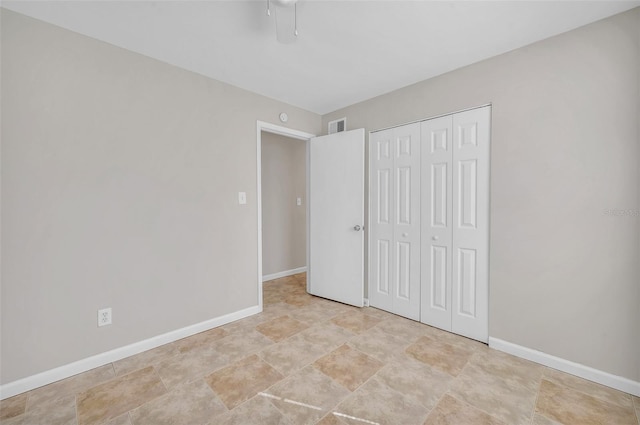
[336, 217]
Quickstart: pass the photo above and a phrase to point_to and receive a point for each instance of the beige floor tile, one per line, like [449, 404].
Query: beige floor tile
[377, 403]
[379, 345]
[451, 411]
[355, 321]
[298, 299]
[195, 401]
[72, 385]
[242, 380]
[144, 359]
[113, 398]
[440, 354]
[404, 329]
[272, 311]
[271, 298]
[313, 314]
[200, 339]
[593, 389]
[191, 365]
[120, 420]
[541, 420]
[331, 419]
[54, 411]
[568, 406]
[301, 278]
[306, 396]
[378, 313]
[15, 420]
[453, 339]
[416, 380]
[281, 328]
[245, 324]
[335, 306]
[636, 403]
[327, 336]
[347, 366]
[291, 355]
[240, 344]
[13, 406]
[502, 385]
[515, 371]
[257, 411]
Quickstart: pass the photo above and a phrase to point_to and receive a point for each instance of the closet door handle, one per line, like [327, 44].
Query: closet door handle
[357, 227]
[435, 238]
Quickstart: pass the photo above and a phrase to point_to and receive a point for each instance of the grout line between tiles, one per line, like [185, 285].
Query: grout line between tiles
[535, 404]
[75, 402]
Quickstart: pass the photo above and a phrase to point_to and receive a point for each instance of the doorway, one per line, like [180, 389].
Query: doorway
[334, 210]
[282, 202]
[283, 206]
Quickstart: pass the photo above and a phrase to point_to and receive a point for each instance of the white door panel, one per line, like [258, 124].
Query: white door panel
[394, 237]
[437, 226]
[381, 219]
[336, 206]
[406, 300]
[470, 289]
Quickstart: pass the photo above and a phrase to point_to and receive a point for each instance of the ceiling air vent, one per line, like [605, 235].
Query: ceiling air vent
[337, 126]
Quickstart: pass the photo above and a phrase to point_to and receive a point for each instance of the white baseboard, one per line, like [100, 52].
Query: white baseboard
[577, 369]
[285, 273]
[31, 382]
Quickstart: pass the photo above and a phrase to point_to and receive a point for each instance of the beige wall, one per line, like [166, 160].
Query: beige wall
[283, 222]
[119, 188]
[564, 276]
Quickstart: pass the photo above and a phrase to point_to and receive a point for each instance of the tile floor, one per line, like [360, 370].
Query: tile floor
[306, 360]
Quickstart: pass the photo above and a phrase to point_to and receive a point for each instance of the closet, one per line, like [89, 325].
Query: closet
[429, 221]
[394, 208]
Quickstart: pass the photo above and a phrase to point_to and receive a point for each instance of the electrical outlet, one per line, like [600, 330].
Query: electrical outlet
[104, 317]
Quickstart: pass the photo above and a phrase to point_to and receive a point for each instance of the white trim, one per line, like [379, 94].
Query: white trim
[285, 273]
[287, 132]
[34, 381]
[431, 118]
[577, 369]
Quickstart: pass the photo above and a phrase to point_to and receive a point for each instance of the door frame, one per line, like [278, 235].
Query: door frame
[293, 134]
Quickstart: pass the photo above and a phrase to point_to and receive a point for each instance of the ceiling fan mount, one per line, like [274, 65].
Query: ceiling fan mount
[286, 15]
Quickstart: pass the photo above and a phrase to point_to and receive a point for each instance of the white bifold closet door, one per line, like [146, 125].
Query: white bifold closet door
[394, 220]
[455, 223]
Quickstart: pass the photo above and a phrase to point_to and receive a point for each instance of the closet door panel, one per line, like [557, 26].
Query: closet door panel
[381, 219]
[470, 287]
[436, 233]
[407, 224]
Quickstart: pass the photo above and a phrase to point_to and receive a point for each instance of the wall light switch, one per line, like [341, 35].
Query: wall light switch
[298, 201]
[242, 198]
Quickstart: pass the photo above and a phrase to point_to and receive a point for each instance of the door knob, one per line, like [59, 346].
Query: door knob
[435, 238]
[357, 227]
[405, 235]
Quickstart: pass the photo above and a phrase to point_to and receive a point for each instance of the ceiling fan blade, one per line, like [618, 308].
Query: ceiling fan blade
[285, 24]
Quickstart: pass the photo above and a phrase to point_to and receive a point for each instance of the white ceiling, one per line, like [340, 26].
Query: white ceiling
[346, 52]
